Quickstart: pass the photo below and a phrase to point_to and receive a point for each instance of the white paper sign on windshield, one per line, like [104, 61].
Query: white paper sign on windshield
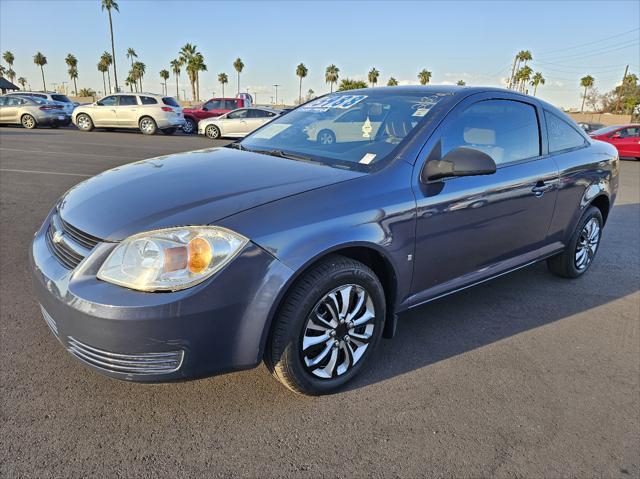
[342, 102]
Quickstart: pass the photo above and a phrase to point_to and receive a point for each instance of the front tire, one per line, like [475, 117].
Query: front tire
[84, 122]
[327, 328]
[213, 132]
[189, 126]
[326, 137]
[28, 122]
[579, 254]
[148, 125]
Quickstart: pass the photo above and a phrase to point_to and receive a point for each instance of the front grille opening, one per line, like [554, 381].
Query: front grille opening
[61, 236]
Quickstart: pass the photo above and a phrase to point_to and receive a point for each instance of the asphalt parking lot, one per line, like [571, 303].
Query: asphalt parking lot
[526, 376]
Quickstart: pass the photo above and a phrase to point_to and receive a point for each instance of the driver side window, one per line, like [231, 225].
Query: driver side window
[505, 130]
[237, 114]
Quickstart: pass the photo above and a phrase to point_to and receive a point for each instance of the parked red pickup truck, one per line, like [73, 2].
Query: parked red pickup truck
[213, 107]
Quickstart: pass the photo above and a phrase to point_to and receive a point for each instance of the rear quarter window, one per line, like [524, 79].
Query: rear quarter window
[562, 135]
[62, 98]
[167, 100]
[148, 100]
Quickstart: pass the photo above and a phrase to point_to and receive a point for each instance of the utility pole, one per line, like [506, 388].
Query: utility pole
[276, 85]
[626, 70]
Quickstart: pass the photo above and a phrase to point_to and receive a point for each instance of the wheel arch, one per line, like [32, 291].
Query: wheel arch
[603, 203]
[367, 253]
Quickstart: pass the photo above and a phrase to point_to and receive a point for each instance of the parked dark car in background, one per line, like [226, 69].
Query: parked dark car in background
[302, 253]
[626, 139]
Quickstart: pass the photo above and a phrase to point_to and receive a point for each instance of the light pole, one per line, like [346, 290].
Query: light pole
[276, 85]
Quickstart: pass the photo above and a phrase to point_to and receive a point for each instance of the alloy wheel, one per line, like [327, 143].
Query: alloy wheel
[83, 122]
[338, 332]
[28, 121]
[587, 244]
[147, 125]
[212, 132]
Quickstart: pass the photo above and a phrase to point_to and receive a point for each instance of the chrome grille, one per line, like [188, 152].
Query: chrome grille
[67, 243]
[49, 320]
[134, 363]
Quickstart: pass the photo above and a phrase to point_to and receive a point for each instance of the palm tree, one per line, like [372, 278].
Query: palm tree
[107, 59]
[586, 82]
[521, 56]
[195, 66]
[140, 69]
[187, 52]
[86, 92]
[9, 58]
[22, 81]
[523, 75]
[461, 83]
[424, 76]
[40, 60]
[301, 71]
[239, 66]
[537, 79]
[72, 63]
[175, 68]
[130, 81]
[373, 76]
[223, 79]
[392, 82]
[331, 75]
[109, 5]
[3, 70]
[131, 54]
[164, 74]
[102, 68]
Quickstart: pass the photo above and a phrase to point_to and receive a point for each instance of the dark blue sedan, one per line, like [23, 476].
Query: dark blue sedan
[301, 244]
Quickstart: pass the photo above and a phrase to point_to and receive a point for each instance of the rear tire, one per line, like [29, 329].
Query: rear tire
[148, 125]
[326, 137]
[189, 126]
[327, 327]
[84, 122]
[28, 122]
[579, 254]
[213, 132]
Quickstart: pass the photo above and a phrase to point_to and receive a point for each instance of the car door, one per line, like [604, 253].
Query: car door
[103, 113]
[127, 111]
[235, 123]
[474, 227]
[14, 108]
[4, 109]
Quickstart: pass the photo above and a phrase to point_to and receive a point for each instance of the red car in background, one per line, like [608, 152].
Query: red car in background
[626, 138]
[213, 107]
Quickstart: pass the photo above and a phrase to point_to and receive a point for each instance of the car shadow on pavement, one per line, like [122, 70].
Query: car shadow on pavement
[509, 305]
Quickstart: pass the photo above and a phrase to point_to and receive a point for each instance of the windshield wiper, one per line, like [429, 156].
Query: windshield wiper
[287, 155]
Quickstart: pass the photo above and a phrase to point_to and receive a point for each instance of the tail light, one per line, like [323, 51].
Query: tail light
[166, 108]
[51, 107]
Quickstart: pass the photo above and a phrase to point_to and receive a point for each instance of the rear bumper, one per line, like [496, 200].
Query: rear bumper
[217, 326]
[54, 120]
[170, 122]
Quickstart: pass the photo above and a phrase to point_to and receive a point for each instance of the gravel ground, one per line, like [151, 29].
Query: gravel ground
[528, 375]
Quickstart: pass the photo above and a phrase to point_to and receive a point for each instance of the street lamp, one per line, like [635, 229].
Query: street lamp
[276, 85]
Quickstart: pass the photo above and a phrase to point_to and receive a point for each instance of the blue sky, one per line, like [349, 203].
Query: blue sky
[470, 40]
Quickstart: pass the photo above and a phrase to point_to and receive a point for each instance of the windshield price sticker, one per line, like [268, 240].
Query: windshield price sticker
[368, 158]
[342, 102]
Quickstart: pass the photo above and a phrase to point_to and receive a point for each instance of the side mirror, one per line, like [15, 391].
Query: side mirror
[204, 108]
[616, 135]
[99, 103]
[461, 161]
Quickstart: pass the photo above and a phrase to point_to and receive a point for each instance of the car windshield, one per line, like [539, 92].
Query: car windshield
[62, 98]
[605, 130]
[344, 128]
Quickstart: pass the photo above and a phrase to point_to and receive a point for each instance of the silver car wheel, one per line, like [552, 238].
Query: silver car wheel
[84, 123]
[28, 121]
[338, 331]
[147, 125]
[188, 126]
[212, 132]
[326, 138]
[587, 244]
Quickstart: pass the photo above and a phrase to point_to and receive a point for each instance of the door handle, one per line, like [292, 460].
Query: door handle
[541, 188]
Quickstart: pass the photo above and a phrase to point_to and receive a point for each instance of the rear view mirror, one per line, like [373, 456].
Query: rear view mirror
[461, 161]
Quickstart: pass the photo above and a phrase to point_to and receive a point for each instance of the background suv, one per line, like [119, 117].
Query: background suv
[31, 112]
[213, 107]
[146, 111]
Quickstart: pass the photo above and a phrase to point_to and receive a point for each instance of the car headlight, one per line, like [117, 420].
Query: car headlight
[171, 259]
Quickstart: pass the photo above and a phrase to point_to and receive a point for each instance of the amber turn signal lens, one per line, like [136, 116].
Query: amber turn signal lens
[200, 255]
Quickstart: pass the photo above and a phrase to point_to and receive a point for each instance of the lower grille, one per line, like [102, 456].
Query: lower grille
[136, 363]
[50, 321]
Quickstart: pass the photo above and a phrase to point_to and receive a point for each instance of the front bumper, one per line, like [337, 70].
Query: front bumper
[217, 326]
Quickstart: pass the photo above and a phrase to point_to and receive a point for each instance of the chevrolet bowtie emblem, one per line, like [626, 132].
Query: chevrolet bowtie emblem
[57, 237]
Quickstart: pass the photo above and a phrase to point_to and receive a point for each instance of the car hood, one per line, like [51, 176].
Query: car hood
[194, 188]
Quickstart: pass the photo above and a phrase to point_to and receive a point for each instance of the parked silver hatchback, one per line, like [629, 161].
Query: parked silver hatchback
[31, 112]
[145, 111]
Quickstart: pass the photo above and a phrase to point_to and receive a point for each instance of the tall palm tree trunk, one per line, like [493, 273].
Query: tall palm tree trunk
[44, 84]
[238, 83]
[140, 84]
[104, 84]
[75, 87]
[113, 53]
[300, 92]
[223, 90]
[109, 79]
[193, 88]
[177, 91]
[584, 97]
[198, 86]
[535, 89]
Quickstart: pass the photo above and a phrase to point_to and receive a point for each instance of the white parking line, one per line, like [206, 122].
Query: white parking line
[72, 153]
[44, 172]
